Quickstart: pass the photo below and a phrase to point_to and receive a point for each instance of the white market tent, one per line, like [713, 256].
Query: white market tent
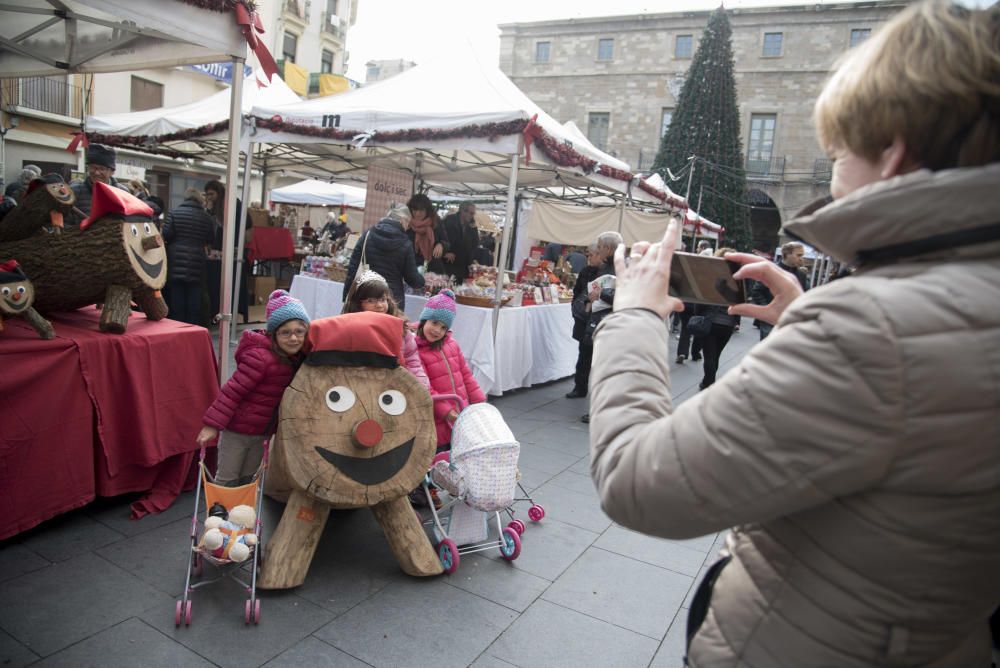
[319, 193]
[58, 37]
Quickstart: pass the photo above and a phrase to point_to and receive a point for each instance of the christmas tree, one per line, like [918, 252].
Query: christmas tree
[706, 125]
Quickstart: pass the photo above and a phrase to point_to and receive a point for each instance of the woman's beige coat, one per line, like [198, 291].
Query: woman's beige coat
[855, 452]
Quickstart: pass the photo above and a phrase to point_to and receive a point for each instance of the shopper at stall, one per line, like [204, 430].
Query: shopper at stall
[336, 226]
[187, 230]
[215, 202]
[445, 364]
[463, 239]
[370, 292]
[247, 405]
[855, 451]
[387, 250]
[599, 301]
[580, 309]
[430, 242]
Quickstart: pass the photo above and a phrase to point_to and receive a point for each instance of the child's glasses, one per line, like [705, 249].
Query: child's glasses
[289, 333]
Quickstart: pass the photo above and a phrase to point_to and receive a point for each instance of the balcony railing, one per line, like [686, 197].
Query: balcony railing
[332, 28]
[822, 170]
[51, 95]
[770, 169]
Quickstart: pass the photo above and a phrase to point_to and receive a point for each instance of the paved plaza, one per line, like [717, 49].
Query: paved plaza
[92, 588]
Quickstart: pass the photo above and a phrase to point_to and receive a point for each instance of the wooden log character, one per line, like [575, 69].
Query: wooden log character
[16, 296]
[47, 201]
[115, 256]
[355, 430]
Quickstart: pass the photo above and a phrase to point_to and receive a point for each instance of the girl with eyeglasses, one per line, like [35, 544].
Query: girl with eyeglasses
[370, 292]
[266, 362]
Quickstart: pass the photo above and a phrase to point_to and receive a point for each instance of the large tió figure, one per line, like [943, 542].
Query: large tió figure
[115, 256]
[355, 430]
[47, 201]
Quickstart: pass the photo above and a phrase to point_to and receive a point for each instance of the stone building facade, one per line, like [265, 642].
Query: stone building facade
[619, 78]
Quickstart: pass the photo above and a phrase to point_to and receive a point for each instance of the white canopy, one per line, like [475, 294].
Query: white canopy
[319, 193]
[54, 37]
[210, 111]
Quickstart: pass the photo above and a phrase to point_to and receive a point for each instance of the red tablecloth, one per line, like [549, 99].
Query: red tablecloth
[271, 243]
[91, 414]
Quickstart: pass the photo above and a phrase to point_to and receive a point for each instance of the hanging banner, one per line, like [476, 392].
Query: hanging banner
[385, 188]
[220, 71]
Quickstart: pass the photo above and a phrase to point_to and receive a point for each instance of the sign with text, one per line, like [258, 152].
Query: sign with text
[385, 188]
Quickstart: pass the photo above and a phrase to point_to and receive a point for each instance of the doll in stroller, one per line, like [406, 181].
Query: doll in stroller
[480, 477]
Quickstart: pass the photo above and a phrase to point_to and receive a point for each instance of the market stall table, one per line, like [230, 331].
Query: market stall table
[89, 414]
[534, 344]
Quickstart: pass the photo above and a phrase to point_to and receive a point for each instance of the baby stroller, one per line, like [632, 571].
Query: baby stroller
[480, 475]
[248, 494]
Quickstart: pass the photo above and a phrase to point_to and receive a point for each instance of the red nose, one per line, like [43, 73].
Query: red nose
[16, 296]
[367, 433]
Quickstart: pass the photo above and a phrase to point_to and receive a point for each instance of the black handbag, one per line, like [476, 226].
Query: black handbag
[699, 325]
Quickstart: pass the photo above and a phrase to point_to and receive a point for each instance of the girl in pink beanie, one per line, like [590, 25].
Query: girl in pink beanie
[444, 363]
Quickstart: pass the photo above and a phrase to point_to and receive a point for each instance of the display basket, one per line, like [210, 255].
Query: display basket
[336, 273]
[482, 302]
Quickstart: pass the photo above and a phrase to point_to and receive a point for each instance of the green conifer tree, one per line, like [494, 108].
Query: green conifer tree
[706, 125]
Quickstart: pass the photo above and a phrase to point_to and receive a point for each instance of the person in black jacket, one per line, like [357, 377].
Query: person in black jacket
[101, 164]
[188, 231]
[581, 314]
[388, 251]
[463, 240]
[600, 301]
[792, 261]
[723, 326]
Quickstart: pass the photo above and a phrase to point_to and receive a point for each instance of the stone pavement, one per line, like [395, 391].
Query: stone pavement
[92, 588]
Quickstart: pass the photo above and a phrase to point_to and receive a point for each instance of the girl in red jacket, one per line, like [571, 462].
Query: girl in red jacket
[265, 365]
[444, 363]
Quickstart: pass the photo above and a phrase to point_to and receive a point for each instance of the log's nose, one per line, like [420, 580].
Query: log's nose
[16, 296]
[367, 433]
[149, 243]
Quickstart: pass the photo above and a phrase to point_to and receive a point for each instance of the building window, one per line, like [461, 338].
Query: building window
[373, 73]
[542, 51]
[772, 44]
[597, 129]
[146, 94]
[289, 46]
[668, 116]
[683, 46]
[859, 35]
[326, 62]
[605, 48]
[331, 7]
[761, 144]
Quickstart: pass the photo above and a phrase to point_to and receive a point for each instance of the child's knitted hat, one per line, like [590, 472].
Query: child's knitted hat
[282, 307]
[440, 307]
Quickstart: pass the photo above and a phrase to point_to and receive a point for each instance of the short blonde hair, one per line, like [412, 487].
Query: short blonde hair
[791, 247]
[930, 76]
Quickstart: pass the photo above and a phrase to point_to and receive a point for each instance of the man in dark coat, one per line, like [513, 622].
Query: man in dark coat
[388, 251]
[188, 230]
[581, 314]
[792, 260]
[101, 164]
[599, 302]
[463, 240]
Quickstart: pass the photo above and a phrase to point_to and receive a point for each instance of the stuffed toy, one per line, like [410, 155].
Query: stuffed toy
[17, 294]
[231, 539]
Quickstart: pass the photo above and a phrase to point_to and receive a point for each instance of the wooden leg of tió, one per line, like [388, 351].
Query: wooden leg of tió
[290, 550]
[406, 538]
[117, 307]
[152, 304]
[40, 324]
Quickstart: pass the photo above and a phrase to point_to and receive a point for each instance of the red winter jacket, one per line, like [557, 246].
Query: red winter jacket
[249, 398]
[448, 374]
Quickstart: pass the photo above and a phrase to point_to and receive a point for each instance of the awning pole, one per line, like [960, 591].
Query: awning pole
[500, 261]
[228, 229]
[238, 279]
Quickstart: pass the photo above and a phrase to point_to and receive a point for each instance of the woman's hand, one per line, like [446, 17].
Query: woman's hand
[438, 251]
[782, 285]
[645, 282]
[207, 435]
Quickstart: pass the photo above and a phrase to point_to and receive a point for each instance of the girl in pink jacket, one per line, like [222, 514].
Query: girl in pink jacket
[370, 292]
[266, 362]
[445, 365]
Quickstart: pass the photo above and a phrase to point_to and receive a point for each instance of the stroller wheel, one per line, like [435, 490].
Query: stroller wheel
[187, 615]
[256, 611]
[247, 611]
[510, 544]
[518, 526]
[178, 613]
[448, 554]
[536, 513]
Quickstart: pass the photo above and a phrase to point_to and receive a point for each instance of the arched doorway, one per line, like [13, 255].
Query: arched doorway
[765, 220]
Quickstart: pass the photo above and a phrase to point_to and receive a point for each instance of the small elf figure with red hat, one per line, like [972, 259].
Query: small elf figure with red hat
[16, 296]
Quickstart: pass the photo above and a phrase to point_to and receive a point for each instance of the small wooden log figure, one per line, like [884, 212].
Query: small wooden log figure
[47, 201]
[116, 256]
[16, 296]
[355, 430]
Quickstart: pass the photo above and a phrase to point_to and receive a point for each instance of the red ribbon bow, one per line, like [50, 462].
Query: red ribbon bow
[250, 24]
[531, 132]
[79, 137]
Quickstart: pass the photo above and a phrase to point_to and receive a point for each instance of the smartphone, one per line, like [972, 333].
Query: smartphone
[703, 279]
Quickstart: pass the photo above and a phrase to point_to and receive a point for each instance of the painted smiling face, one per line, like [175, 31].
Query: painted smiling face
[61, 193]
[356, 436]
[16, 297]
[146, 252]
